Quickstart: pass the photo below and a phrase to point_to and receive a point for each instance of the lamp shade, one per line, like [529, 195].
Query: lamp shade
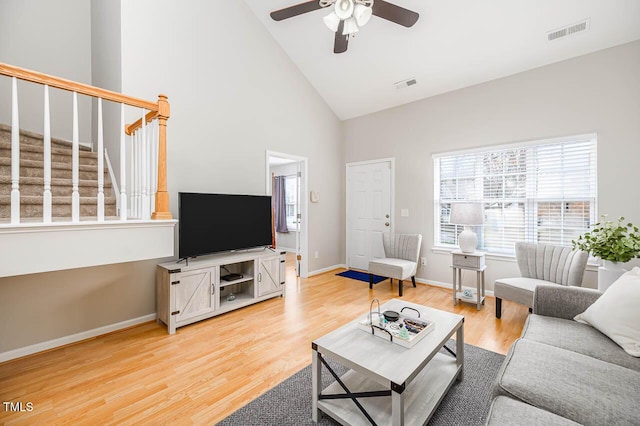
[362, 14]
[350, 26]
[467, 214]
[332, 21]
[344, 8]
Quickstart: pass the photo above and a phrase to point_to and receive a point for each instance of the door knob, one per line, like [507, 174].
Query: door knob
[387, 216]
[386, 224]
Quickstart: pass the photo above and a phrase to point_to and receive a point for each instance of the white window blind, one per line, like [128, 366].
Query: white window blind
[541, 192]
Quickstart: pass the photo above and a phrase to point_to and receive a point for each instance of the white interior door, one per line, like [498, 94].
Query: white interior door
[369, 207]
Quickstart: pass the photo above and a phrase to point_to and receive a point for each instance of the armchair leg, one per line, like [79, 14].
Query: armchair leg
[400, 286]
[498, 307]
[413, 280]
[370, 281]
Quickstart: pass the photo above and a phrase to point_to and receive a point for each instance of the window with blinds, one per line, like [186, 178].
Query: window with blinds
[541, 192]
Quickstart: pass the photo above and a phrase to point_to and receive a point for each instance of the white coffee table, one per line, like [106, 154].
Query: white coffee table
[392, 384]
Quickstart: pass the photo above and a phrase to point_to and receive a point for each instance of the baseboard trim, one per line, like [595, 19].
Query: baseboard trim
[327, 269]
[449, 286]
[73, 338]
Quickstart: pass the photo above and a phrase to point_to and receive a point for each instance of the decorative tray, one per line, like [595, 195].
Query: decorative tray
[406, 331]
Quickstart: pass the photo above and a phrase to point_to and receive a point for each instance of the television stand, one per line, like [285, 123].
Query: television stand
[197, 291]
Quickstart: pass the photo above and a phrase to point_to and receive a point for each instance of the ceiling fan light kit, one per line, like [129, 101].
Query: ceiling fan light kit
[348, 16]
[350, 26]
[332, 21]
[344, 8]
[362, 14]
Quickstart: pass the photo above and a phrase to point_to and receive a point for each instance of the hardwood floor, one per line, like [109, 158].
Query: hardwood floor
[208, 370]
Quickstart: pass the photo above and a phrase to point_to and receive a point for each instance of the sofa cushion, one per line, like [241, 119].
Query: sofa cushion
[519, 289]
[580, 388]
[510, 412]
[392, 267]
[616, 312]
[576, 337]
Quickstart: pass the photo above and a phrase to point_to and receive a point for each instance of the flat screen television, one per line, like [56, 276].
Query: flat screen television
[210, 223]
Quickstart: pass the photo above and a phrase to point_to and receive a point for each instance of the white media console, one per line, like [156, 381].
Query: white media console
[200, 290]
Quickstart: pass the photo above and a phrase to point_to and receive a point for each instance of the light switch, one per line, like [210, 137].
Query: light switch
[404, 212]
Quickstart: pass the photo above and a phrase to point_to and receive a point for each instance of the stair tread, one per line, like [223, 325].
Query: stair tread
[37, 199]
[30, 180]
[54, 165]
[4, 128]
[54, 150]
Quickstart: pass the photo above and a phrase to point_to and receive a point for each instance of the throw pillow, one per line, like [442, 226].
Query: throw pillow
[616, 313]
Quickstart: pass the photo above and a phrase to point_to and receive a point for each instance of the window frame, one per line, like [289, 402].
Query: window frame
[530, 230]
[291, 225]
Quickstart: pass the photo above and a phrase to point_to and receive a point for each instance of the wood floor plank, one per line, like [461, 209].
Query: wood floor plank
[209, 369]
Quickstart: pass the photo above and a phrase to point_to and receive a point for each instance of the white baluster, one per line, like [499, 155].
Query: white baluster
[134, 138]
[136, 176]
[144, 163]
[15, 154]
[75, 164]
[100, 164]
[154, 166]
[46, 196]
[123, 174]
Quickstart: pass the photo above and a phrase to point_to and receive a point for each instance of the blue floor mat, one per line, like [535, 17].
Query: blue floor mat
[361, 276]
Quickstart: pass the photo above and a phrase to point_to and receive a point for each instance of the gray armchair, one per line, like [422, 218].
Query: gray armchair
[401, 259]
[540, 264]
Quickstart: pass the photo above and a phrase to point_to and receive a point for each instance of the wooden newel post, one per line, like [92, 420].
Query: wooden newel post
[162, 196]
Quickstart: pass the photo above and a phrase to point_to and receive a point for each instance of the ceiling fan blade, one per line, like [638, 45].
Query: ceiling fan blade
[298, 9]
[393, 13]
[341, 41]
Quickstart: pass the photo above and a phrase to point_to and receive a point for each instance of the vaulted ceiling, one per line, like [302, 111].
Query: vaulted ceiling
[454, 44]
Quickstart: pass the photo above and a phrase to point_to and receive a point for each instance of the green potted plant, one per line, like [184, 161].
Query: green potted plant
[615, 243]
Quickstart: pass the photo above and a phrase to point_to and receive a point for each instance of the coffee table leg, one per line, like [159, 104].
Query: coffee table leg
[397, 408]
[316, 383]
[460, 351]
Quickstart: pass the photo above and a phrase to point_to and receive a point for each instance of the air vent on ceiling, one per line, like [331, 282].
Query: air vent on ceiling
[569, 30]
[405, 83]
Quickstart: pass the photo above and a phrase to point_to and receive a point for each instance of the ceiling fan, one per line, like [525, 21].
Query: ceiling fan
[348, 15]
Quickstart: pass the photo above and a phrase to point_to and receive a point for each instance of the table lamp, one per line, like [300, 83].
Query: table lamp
[467, 214]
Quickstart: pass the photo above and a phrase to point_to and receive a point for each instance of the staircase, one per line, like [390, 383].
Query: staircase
[32, 179]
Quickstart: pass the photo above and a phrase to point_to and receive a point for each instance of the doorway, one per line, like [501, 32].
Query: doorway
[291, 171]
[370, 199]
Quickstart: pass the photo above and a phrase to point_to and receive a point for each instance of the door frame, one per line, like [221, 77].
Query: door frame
[392, 195]
[303, 200]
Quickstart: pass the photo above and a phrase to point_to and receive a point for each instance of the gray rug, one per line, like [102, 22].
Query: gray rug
[289, 403]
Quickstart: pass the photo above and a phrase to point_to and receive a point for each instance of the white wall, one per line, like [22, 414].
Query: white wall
[53, 37]
[593, 93]
[106, 72]
[234, 95]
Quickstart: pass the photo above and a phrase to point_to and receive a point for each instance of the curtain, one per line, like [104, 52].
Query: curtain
[279, 204]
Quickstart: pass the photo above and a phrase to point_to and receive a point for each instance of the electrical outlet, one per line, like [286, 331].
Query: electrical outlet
[316, 254]
[423, 261]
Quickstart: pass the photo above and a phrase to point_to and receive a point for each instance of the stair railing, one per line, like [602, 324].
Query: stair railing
[148, 150]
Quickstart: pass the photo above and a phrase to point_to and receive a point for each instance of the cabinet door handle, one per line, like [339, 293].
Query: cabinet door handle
[259, 277]
[213, 289]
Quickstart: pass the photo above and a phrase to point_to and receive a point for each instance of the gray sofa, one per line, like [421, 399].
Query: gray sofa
[561, 372]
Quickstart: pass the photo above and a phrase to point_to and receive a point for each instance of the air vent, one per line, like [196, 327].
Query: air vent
[569, 30]
[405, 83]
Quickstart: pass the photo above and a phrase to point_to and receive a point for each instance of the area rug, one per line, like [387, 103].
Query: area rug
[289, 403]
[361, 276]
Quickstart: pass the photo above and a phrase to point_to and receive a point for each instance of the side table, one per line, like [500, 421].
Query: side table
[472, 262]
